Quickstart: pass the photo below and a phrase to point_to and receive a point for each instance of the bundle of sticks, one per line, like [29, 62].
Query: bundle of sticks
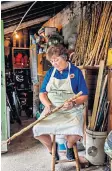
[94, 34]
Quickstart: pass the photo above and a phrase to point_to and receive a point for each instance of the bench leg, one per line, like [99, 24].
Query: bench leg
[53, 153]
[76, 157]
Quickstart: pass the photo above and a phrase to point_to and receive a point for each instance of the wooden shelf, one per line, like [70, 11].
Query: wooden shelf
[23, 89]
[21, 68]
[20, 48]
[88, 67]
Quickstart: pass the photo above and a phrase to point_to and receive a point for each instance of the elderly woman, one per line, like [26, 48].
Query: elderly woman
[61, 82]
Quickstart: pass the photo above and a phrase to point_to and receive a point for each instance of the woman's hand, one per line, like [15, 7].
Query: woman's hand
[68, 105]
[46, 102]
[48, 109]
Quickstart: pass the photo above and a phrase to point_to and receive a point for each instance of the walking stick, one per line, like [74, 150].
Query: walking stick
[39, 120]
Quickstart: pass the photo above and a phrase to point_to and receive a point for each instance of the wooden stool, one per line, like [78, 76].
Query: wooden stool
[62, 161]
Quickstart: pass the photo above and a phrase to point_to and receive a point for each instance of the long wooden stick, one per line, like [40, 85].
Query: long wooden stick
[97, 94]
[53, 153]
[105, 116]
[101, 97]
[39, 120]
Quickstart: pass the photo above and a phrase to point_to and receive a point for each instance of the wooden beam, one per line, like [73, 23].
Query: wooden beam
[26, 24]
[97, 94]
[8, 5]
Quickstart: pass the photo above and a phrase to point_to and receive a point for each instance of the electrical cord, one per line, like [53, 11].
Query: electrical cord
[24, 16]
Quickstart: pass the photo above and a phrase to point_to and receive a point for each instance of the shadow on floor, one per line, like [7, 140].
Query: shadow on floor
[24, 141]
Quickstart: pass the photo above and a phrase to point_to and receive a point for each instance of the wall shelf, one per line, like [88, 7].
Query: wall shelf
[88, 67]
[20, 58]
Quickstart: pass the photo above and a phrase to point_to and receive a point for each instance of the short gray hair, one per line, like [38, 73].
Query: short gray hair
[57, 50]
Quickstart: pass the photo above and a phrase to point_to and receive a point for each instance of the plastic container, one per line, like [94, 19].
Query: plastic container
[61, 143]
[95, 147]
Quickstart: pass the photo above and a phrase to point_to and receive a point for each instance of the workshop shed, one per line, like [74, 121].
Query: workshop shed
[28, 28]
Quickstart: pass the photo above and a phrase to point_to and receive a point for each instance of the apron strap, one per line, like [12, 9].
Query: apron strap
[53, 73]
[69, 66]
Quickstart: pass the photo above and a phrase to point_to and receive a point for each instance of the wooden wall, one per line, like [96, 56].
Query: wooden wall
[91, 80]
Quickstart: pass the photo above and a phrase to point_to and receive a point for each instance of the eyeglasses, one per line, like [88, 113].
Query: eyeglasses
[55, 60]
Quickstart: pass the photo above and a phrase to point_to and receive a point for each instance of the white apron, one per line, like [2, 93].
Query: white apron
[62, 122]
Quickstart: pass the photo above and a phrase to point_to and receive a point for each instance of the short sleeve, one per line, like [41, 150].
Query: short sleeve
[82, 83]
[46, 80]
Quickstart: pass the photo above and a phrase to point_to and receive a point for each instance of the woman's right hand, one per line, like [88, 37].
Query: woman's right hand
[48, 109]
[46, 102]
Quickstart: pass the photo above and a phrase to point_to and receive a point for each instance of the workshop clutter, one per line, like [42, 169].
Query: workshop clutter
[22, 79]
[46, 37]
[20, 60]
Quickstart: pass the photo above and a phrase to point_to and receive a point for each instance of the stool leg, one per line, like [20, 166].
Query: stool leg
[111, 164]
[53, 154]
[76, 157]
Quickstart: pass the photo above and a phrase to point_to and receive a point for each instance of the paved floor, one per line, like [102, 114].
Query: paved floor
[27, 154]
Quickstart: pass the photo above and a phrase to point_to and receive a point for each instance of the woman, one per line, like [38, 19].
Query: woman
[61, 82]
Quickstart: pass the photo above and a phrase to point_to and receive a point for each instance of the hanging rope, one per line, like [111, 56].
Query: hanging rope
[54, 13]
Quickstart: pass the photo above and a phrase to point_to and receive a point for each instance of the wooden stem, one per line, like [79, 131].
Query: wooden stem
[76, 157]
[53, 154]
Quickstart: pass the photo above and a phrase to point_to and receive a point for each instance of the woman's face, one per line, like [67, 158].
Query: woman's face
[59, 63]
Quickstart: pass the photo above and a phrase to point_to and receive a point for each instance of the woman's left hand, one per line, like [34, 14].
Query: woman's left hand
[68, 106]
